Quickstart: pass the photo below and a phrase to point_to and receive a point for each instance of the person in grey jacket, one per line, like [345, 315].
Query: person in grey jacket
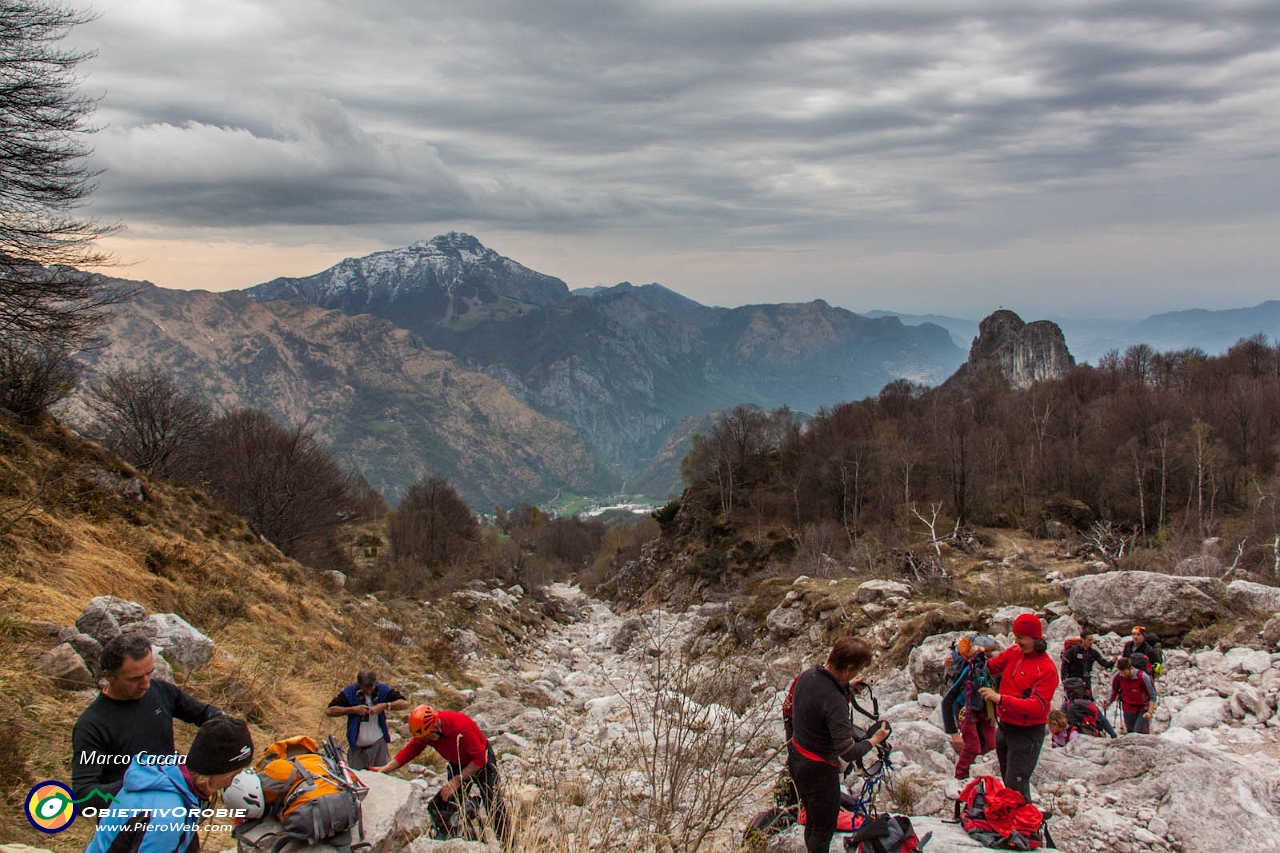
[822, 735]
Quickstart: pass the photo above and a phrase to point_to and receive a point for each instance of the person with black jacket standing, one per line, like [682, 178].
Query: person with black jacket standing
[1078, 661]
[133, 713]
[823, 734]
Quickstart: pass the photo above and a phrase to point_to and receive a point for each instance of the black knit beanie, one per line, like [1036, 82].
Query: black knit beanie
[222, 745]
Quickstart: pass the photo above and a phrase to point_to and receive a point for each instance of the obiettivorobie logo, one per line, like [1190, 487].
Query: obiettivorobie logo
[51, 807]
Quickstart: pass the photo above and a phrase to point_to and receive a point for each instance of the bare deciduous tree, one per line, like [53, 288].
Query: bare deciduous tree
[44, 179]
[144, 417]
[433, 526]
[279, 478]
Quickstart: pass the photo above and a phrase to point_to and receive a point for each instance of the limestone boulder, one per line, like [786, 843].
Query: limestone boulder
[627, 634]
[65, 667]
[1247, 661]
[1256, 597]
[1168, 605]
[785, 622]
[122, 609]
[162, 669]
[1203, 713]
[96, 622]
[1271, 632]
[895, 688]
[1247, 701]
[878, 590]
[1002, 619]
[1058, 630]
[928, 662]
[181, 642]
[1206, 798]
[89, 649]
[924, 744]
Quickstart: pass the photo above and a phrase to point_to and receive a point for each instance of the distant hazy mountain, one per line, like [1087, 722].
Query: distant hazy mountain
[1212, 331]
[962, 331]
[624, 364]
[387, 405]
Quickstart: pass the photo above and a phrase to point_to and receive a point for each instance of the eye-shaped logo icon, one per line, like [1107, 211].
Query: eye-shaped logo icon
[50, 806]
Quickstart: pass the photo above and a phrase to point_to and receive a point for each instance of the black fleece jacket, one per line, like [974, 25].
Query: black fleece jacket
[820, 718]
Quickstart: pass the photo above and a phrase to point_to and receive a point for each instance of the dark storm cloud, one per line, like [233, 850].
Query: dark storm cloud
[765, 118]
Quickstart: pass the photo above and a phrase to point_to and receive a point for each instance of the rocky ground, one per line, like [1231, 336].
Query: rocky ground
[579, 699]
[610, 738]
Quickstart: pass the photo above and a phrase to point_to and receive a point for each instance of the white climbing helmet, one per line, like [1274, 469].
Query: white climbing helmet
[245, 792]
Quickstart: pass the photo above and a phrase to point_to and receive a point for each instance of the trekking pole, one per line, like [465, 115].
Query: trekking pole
[335, 755]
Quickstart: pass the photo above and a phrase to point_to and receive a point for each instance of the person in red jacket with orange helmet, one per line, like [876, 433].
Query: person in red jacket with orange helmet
[1028, 679]
[461, 743]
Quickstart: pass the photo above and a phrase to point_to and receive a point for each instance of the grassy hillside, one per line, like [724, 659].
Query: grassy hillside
[285, 644]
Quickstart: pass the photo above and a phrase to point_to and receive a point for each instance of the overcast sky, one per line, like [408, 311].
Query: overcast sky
[1052, 156]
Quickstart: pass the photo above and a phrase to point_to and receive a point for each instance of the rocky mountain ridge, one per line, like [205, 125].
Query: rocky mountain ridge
[387, 405]
[622, 365]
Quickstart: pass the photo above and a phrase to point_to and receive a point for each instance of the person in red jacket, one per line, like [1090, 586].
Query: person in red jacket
[1028, 679]
[1137, 694]
[461, 743]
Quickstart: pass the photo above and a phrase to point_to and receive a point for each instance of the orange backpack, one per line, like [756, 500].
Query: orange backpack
[310, 797]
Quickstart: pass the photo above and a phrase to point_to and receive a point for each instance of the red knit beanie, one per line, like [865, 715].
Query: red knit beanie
[1028, 625]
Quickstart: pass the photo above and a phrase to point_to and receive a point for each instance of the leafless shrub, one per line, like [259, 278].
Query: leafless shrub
[820, 550]
[34, 377]
[701, 748]
[145, 418]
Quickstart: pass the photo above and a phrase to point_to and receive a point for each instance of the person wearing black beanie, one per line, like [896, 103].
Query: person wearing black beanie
[158, 791]
[222, 746]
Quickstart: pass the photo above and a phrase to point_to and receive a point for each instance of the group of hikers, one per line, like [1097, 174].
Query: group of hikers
[996, 700]
[125, 769]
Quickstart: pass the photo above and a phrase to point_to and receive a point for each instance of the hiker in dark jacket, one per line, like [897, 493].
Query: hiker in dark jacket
[1028, 680]
[1137, 644]
[145, 816]
[966, 716]
[1078, 661]
[133, 713]
[823, 735]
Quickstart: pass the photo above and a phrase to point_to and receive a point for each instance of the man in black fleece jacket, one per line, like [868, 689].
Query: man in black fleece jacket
[133, 713]
[823, 734]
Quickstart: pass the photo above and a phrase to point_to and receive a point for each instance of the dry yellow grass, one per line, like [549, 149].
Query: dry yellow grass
[285, 645]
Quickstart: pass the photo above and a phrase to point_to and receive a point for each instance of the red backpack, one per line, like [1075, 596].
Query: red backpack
[999, 817]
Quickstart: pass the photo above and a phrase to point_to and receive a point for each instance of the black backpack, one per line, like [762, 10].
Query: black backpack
[886, 833]
[1076, 688]
[1083, 715]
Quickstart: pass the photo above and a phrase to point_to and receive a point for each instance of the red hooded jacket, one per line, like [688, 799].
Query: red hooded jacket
[1027, 683]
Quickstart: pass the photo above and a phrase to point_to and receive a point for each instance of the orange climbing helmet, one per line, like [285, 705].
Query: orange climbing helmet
[423, 721]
